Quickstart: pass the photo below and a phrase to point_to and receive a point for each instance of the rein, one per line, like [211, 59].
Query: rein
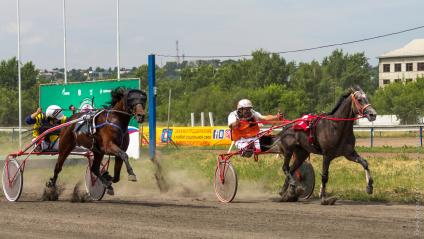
[285, 122]
[120, 111]
[107, 122]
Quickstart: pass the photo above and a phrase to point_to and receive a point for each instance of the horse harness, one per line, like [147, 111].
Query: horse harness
[88, 125]
[309, 122]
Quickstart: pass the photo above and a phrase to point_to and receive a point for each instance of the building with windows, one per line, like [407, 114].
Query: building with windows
[402, 65]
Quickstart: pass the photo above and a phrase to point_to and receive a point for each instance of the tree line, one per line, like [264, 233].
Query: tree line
[272, 83]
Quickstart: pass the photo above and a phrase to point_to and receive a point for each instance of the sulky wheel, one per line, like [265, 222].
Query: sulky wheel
[225, 181]
[305, 177]
[93, 185]
[12, 179]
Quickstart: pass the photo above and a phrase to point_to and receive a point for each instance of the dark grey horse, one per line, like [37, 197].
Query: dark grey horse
[332, 137]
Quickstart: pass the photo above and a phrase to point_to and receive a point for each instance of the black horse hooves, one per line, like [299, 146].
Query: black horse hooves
[290, 195]
[51, 192]
[370, 189]
[287, 198]
[51, 183]
[110, 191]
[107, 176]
[80, 196]
[328, 201]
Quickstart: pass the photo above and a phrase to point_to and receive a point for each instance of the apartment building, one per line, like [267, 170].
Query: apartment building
[402, 65]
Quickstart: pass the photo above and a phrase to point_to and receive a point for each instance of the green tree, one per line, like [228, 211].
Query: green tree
[405, 101]
[9, 90]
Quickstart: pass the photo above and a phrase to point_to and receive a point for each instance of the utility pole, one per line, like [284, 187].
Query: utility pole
[178, 52]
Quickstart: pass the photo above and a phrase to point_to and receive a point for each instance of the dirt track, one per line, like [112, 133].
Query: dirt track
[164, 217]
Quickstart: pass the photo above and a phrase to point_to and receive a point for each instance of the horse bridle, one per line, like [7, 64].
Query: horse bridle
[356, 105]
[133, 101]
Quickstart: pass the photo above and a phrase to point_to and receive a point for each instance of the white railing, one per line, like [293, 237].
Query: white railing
[371, 128]
[13, 129]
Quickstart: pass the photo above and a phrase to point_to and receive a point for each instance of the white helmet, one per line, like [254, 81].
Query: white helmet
[244, 103]
[54, 111]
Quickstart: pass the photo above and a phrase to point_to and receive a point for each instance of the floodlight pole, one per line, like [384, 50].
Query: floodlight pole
[19, 72]
[65, 67]
[117, 41]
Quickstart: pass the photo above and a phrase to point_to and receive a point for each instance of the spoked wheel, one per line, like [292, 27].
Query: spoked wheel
[93, 185]
[305, 178]
[12, 179]
[225, 181]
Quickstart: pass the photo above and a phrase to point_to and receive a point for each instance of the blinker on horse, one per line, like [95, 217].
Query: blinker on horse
[332, 137]
[108, 136]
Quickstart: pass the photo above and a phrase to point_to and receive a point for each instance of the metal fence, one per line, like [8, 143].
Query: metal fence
[390, 128]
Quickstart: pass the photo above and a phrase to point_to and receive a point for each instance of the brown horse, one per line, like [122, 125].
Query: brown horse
[110, 135]
[332, 136]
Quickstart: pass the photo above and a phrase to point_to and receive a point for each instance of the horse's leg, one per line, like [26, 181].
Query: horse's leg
[105, 178]
[355, 157]
[289, 177]
[115, 150]
[300, 157]
[117, 169]
[324, 179]
[64, 151]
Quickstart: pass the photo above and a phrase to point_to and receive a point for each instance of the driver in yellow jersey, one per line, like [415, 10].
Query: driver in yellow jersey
[42, 122]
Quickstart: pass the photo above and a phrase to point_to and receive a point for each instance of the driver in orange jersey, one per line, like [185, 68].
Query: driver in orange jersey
[243, 123]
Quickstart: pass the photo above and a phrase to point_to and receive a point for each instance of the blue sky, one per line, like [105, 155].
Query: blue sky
[203, 27]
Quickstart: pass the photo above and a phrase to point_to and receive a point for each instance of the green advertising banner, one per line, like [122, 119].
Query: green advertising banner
[84, 95]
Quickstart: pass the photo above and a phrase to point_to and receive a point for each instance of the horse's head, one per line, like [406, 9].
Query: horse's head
[135, 103]
[361, 105]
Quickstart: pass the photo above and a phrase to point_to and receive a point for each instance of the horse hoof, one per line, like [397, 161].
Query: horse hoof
[281, 192]
[370, 189]
[110, 191]
[328, 201]
[107, 184]
[292, 190]
[50, 184]
[107, 176]
[132, 178]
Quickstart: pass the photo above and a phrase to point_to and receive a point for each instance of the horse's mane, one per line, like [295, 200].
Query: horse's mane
[117, 94]
[343, 97]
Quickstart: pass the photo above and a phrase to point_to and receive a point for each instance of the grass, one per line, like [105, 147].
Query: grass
[389, 149]
[10, 142]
